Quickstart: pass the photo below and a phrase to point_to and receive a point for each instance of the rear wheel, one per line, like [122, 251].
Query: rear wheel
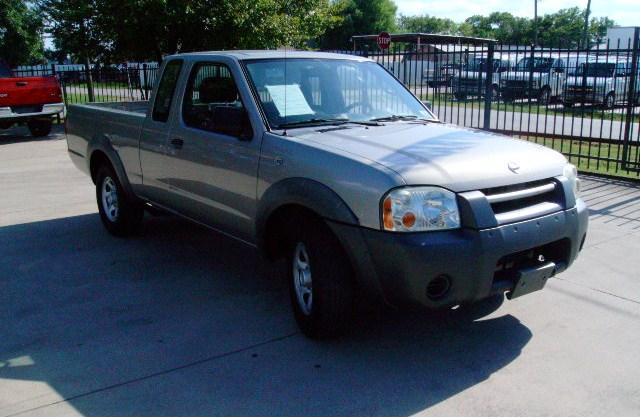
[544, 97]
[610, 101]
[320, 280]
[119, 214]
[39, 128]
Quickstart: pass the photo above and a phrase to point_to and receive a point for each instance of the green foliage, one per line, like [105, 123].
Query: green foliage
[358, 17]
[427, 24]
[20, 29]
[563, 28]
[149, 29]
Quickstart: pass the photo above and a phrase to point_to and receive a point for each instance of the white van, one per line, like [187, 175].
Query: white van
[601, 81]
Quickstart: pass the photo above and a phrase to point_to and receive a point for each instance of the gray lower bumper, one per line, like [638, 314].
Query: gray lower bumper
[399, 266]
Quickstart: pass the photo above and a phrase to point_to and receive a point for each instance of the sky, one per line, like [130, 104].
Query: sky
[623, 12]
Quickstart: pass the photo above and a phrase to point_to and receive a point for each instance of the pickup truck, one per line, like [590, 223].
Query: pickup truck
[31, 100]
[329, 162]
[604, 82]
[540, 77]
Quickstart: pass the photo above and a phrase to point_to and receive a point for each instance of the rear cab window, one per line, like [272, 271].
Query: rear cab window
[166, 90]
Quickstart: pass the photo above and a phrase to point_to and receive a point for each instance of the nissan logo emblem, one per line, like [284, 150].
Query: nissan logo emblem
[513, 167]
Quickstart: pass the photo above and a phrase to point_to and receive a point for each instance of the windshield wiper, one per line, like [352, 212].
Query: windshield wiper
[400, 117]
[326, 121]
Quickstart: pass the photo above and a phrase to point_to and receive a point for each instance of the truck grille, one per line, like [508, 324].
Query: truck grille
[26, 109]
[519, 202]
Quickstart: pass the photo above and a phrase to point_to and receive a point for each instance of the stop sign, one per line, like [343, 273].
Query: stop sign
[384, 40]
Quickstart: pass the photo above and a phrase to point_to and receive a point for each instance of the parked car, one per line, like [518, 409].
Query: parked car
[328, 161]
[33, 101]
[471, 79]
[538, 77]
[600, 81]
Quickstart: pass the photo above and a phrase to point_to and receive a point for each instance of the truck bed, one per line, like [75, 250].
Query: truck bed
[119, 122]
[125, 106]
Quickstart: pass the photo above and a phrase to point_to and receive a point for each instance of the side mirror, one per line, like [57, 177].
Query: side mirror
[232, 121]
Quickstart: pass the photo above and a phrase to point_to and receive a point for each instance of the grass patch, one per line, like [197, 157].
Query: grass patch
[597, 158]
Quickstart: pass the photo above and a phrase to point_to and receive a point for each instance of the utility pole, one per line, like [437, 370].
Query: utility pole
[585, 31]
[535, 22]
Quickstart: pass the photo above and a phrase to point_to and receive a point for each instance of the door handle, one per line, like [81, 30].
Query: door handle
[177, 143]
[21, 83]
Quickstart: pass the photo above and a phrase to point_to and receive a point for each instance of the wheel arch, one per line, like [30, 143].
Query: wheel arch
[101, 152]
[296, 196]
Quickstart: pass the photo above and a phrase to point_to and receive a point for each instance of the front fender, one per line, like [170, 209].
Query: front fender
[303, 192]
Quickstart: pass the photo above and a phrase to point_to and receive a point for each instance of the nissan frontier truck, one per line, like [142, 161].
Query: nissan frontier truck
[329, 162]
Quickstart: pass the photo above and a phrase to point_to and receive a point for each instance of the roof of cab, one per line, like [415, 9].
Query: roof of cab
[242, 55]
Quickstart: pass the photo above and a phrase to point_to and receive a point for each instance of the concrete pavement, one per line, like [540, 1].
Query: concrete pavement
[180, 321]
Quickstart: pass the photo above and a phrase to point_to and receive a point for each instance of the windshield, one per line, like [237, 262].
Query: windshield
[595, 69]
[316, 91]
[480, 64]
[539, 64]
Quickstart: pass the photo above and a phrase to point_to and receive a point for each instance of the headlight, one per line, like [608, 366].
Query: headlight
[571, 173]
[416, 209]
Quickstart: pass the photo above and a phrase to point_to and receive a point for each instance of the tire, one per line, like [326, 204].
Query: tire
[320, 279]
[609, 101]
[39, 128]
[125, 216]
[544, 97]
[460, 96]
[495, 93]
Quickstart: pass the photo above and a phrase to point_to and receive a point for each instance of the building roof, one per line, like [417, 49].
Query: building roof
[427, 38]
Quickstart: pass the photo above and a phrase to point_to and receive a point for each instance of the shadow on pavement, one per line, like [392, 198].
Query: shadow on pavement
[20, 134]
[181, 321]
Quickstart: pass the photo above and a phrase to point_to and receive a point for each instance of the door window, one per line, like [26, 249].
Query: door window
[166, 90]
[212, 101]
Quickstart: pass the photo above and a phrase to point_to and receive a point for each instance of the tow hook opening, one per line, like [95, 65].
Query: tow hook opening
[438, 287]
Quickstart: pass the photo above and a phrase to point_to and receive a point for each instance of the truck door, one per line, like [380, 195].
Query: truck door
[212, 157]
[558, 74]
[155, 135]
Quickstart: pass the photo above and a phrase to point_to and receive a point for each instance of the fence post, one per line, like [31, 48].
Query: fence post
[145, 87]
[488, 87]
[631, 98]
[530, 83]
[87, 73]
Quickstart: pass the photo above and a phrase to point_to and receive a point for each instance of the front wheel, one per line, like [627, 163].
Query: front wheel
[544, 97]
[39, 128]
[320, 280]
[120, 215]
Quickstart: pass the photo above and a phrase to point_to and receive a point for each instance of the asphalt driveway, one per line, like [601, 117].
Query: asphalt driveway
[180, 321]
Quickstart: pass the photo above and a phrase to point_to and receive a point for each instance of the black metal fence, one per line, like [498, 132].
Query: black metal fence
[95, 83]
[582, 102]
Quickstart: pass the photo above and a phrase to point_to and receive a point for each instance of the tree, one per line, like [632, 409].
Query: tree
[119, 30]
[75, 27]
[359, 17]
[427, 24]
[20, 33]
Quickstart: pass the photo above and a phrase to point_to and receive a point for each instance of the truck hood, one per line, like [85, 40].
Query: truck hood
[439, 154]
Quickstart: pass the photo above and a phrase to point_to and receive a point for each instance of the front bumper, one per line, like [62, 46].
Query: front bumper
[596, 97]
[48, 111]
[399, 266]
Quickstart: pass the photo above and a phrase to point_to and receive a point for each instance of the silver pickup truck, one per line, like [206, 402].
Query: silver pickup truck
[330, 162]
